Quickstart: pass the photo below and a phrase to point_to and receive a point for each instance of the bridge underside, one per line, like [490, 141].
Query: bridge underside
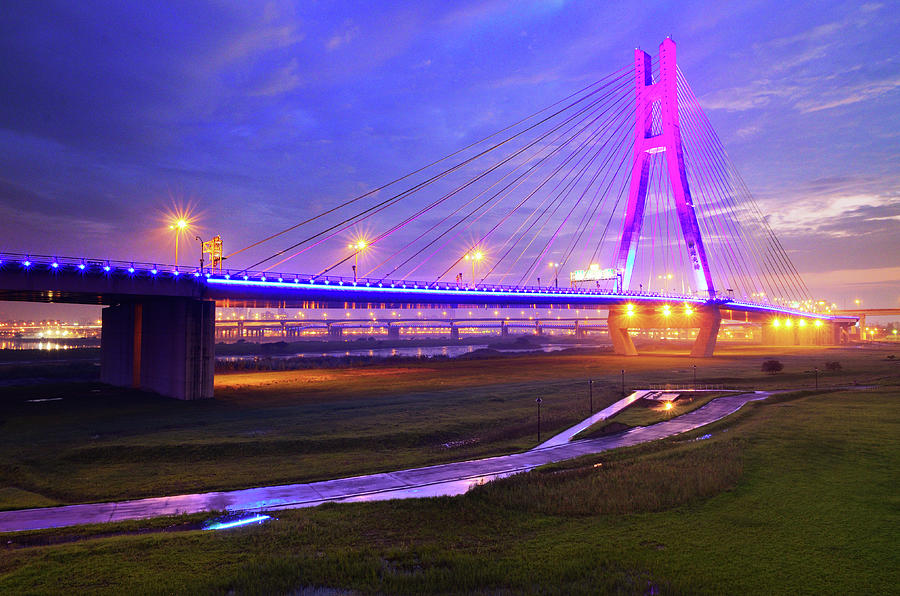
[706, 318]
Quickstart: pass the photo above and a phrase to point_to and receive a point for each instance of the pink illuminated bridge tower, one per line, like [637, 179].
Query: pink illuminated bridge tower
[660, 98]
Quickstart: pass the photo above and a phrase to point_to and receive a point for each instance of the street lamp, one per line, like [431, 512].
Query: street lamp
[539, 401]
[359, 246]
[474, 256]
[201, 252]
[555, 267]
[179, 227]
[816, 370]
[623, 382]
[591, 393]
[695, 376]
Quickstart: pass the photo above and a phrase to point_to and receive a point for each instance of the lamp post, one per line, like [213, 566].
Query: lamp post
[816, 371]
[179, 227]
[474, 256]
[555, 267]
[623, 382]
[695, 376]
[201, 252]
[359, 247]
[591, 394]
[539, 401]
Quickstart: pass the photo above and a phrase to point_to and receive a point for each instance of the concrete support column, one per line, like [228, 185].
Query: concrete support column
[120, 341]
[166, 346]
[504, 330]
[579, 331]
[393, 332]
[709, 317]
[618, 322]
[454, 332]
[335, 332]
[537, 328]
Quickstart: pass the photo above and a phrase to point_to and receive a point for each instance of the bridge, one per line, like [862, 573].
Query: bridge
[393, 327]
[692, 247]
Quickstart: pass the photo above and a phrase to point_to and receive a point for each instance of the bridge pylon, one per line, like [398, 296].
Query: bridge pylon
[660, 98]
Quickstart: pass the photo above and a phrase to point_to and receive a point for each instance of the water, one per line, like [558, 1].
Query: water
[420, 352]
[47, 344]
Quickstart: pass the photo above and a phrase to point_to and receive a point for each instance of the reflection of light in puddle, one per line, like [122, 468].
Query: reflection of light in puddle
[231, 521]
[450, 488]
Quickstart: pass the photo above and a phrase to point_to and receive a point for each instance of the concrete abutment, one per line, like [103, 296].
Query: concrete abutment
[164, 345]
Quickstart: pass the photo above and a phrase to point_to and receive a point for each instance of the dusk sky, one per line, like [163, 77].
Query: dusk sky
[258, 114]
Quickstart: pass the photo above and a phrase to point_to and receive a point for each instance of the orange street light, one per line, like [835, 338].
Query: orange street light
[555, 267]
[475, 257]
[358, 246]
[180, 226]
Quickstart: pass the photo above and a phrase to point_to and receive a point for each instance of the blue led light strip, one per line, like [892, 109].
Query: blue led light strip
[338, 284]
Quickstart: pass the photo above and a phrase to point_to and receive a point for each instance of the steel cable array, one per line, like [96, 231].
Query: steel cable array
[549, 188]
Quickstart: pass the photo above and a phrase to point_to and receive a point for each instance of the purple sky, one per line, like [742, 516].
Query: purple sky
[261, 113]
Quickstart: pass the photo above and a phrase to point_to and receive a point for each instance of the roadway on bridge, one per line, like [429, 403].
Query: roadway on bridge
[441, 480]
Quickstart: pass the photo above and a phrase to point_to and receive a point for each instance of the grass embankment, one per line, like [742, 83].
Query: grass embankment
[100, 443]
[795, 495]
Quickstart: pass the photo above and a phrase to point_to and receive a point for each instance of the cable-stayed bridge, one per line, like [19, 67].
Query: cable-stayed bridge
[623, 187]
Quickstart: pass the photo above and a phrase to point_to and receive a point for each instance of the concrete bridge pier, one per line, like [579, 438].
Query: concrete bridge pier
[618, 322]
[335, 332]
[454, 332]
[579, 331]
[709, 319]
[164, 345]
[504, 329]
[393, 332]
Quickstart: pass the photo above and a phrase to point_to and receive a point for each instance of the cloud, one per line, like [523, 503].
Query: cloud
[282, 80]
[834, 216]
[349, 34]
[855, 276]
[755, 95]
[849, 95]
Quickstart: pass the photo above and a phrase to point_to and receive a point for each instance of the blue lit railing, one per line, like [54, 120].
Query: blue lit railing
[110, 267]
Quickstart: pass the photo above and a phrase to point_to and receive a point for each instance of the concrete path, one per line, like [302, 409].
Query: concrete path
[608, 412]
[440, 480]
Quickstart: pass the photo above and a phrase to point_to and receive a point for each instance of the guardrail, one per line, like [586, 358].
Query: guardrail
[688, 387]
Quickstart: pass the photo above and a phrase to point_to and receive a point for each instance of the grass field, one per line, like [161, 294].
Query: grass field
[99, 443]
[796, 494]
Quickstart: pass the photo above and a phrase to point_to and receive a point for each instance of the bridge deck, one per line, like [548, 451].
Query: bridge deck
[103, 281]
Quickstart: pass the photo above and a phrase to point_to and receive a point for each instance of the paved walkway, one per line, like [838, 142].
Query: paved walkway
[441, 480]
[607, 412]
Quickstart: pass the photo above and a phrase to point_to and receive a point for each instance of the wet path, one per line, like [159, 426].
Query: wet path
[440, 480]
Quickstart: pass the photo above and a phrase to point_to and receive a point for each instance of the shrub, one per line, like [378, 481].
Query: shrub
[772, 366]
[835, 365]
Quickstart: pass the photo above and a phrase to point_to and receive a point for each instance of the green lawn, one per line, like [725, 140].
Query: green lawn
[100, 443]
[793, 495]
